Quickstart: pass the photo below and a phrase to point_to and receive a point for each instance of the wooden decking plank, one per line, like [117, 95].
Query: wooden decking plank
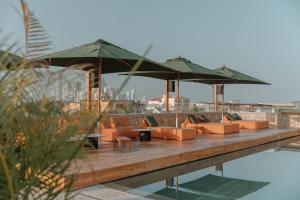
[100, 167]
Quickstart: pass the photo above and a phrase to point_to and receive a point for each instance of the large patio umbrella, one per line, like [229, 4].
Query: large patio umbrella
[184, 69]
[101, 57]
[236, 77]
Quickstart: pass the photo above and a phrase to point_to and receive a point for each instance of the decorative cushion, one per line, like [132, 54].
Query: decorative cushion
[204, 119]
[230, 117]
[237, 117]
[151, 121]
[193, 119]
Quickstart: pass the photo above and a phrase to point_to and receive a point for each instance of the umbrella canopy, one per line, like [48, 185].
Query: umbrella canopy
[101, 57]
[236, 77]
[186, 70]
[114, 58]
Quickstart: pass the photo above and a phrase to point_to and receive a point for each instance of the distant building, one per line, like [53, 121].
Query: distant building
[115, 106]
[158, 103]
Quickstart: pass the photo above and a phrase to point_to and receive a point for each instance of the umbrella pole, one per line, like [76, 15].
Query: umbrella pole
[99, 86]
[177, 101]
[88, 90]
[166, 96]
[223, 102]
[216, 97]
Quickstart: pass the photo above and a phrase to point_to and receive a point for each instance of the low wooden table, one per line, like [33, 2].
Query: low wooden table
[145, 134]
[125, 142]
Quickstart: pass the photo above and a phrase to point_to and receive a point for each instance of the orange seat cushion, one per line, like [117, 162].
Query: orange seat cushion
[215, 128]
[173, 133]
[248, 124]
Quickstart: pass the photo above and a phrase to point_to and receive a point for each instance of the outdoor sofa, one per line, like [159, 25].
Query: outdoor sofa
[203, 125]
[116, 127]
[170, 133]
[245, 124]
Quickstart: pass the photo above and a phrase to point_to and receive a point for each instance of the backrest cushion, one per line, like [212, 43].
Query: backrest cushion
[237, 117]
[151, 121]
[193, 119]
[116, 122]
[104, 124]
[203, 118]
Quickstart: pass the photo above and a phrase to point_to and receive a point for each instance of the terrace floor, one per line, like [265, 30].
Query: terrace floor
[105, 166]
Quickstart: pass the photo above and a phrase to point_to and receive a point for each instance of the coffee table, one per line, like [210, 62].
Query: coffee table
[145, 134]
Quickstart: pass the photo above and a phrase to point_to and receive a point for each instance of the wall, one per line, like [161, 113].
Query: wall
[288, 119]
[282, 119]
[164, 119]
[263, 116]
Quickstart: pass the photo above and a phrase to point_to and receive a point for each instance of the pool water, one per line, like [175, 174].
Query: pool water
[279, 168]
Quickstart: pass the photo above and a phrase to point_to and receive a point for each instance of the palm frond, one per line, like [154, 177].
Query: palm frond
[36, 37]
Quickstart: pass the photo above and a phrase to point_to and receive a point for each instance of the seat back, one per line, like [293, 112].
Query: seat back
[116, 122]
[151, 121]
[104, 124]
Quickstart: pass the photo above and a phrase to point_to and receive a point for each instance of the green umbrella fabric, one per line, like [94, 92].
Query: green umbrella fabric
[236, 77]
[231, 188]
[186, 70]
[114, 58]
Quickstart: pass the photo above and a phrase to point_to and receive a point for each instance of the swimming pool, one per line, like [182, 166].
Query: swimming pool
[278, 168]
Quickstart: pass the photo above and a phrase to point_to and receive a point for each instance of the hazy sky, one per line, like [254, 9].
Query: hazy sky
[257, 37]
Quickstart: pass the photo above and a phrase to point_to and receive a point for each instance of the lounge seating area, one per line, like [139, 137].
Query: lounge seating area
[245, 124]
[203, 125]
[119, 131]
[115, 128]
[193, 125]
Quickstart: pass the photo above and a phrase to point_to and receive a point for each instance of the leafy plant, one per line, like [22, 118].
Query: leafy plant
[35, 151]
[34, 130]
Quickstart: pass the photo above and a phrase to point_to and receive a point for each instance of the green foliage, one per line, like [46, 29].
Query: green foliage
[35, 153]
[34, 148]
[34, 130]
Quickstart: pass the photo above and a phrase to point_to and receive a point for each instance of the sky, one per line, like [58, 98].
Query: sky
[257, 37]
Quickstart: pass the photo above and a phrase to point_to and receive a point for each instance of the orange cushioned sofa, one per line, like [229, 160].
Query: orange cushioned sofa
[245, 124]
[170, 133]
[202, 125]
[116, 127]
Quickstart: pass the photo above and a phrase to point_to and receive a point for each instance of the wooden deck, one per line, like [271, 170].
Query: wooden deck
[102, 167]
